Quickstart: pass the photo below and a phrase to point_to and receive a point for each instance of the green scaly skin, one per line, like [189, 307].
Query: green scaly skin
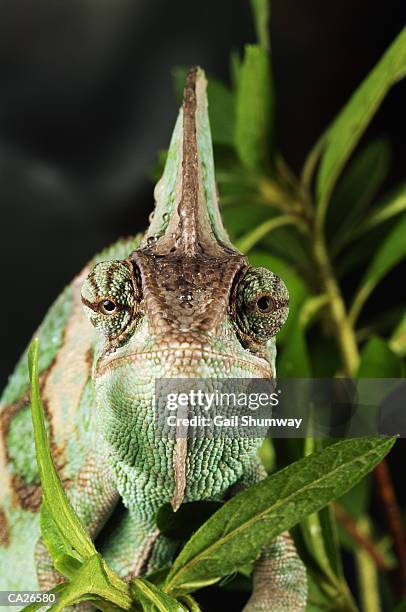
[181, 302]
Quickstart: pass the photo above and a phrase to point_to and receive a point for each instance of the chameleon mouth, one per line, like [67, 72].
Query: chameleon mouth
[187, 361]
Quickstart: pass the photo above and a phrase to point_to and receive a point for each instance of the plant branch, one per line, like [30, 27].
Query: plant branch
[359, 300]
[353, 530]
[246, 243]
[393, 517]
[343, 329]
[367, 575]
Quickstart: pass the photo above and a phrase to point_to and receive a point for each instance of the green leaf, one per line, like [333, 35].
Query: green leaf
[378, 361]
[356, 189]
[59, 510]
[235, 67]
[55, 497]
[158, 576]
[324, 358]
[190, 603]
[221, 106]
[391, 252]
[237, 219]
[261, 11]
[312, 309]
[67, 566]
[319, 530]
[391, 205]
[397, 343]
[346, 130]
[152, 599]
[330, 539]
[221, 112]
[236, 533]
[294, 360]
[254, 110]
[287, 242]
[382, 323]
[56, 543]
[361, 251]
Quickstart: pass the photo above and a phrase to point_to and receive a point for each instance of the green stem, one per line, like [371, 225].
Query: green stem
[343, 329]
[367, 575]
[246, 243]
[359, 300]
[300, 203]
[311, 308]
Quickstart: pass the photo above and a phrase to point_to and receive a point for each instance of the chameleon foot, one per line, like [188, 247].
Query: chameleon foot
[279, 582]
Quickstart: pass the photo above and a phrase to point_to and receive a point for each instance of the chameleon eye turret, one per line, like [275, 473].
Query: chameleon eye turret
[262, 304]
[110, 297]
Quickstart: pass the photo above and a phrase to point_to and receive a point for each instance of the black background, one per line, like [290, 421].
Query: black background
[86, 101]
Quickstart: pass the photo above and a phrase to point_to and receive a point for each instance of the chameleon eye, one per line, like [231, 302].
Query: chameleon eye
[261, 304]
[107, 307]
[113, 314]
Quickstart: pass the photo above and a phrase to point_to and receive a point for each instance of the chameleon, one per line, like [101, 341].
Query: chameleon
[180, 301]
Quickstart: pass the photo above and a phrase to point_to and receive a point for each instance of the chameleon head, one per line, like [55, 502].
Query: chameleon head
[177, 317]
[186, 303]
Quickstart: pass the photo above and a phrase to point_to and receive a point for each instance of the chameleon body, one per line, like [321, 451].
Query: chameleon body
[179, 302]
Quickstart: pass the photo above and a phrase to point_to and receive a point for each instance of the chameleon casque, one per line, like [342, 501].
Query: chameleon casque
[179, 302]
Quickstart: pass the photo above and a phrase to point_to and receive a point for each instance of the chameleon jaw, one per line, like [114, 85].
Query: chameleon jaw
[184, 361]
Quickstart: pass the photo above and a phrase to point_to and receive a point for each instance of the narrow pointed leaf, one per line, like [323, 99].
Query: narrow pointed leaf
[391, 252]
[294, 360]
[261, 11]
[54, 539]
[391, 205]
[152, 599]
[57, 501]
[397, 343]
[378, 361]
[235, 534]
[356, 189]
[254, 110]
[345, 132]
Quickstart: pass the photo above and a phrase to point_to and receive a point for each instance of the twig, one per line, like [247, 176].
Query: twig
[367, 575]
[363, 540]
[393, 517]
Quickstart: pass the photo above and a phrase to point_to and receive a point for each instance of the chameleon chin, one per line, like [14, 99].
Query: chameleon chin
[178, 302]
